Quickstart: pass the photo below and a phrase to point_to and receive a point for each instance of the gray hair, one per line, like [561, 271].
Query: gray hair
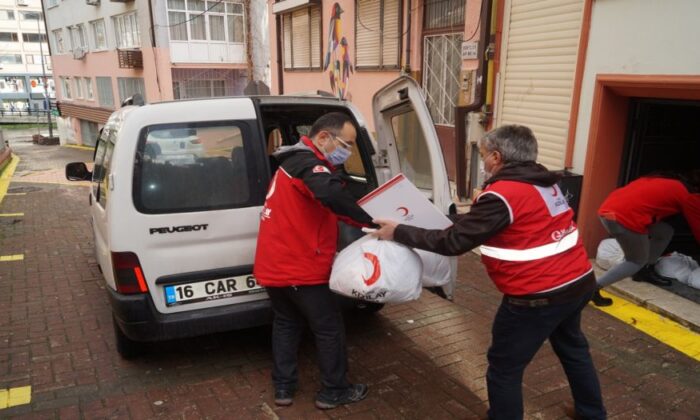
[515, 143]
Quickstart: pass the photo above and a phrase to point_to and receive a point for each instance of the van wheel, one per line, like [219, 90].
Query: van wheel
[126, 347]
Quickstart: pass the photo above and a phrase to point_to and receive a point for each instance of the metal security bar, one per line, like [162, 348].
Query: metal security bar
[441, 67]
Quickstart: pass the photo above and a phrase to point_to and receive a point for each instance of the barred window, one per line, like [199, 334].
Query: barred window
[444, 14]
[128, 86]
[378, 34]
[302, 38]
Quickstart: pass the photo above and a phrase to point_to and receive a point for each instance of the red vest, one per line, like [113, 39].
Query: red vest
[541, 249]
[298, 236]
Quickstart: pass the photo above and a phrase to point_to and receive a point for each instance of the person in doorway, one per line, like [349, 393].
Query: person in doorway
[532, 251]
[634, 214]
[295, 252]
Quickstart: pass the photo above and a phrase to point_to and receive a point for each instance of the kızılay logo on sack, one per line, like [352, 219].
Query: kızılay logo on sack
[376, 269]
[405, 213]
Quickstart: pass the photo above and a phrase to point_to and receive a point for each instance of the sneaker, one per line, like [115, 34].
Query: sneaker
[284, 397]
[600, 300]
[648, 275]
[354, 393]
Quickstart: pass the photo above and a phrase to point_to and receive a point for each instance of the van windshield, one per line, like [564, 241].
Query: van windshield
[192, 167]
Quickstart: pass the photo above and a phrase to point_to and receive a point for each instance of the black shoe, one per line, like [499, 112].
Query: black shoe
[648, 275]
[600, 300]
[355, 393]
[284, 397]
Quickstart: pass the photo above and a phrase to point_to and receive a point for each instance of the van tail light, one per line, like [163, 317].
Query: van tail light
[128, 274]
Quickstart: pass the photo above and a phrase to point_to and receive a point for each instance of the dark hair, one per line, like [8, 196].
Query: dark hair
[333, 122]
[515, 143]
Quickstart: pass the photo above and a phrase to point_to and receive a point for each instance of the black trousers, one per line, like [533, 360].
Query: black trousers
[518, 333]
[295, 307]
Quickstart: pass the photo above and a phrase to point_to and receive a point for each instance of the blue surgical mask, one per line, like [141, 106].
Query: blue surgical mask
[338, 156]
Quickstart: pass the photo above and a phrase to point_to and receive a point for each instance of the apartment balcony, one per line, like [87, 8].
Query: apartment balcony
[130, 58]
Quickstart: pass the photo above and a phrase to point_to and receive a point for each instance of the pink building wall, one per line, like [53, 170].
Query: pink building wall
[363, 84]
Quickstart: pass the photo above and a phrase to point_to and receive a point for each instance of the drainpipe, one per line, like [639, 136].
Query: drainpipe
[407, 66]
[278, 47]
[479, 100]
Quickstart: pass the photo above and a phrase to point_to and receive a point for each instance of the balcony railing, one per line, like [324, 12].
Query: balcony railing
[130, 59]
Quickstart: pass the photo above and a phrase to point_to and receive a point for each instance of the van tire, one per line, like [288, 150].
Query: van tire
[126, 347]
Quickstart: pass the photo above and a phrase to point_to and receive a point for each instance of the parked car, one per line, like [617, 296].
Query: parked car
[175, 239]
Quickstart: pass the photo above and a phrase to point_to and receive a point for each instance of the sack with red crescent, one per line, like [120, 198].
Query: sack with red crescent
[377, 271]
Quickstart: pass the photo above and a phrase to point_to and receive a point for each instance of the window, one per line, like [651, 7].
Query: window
[65, 85]
[199, 88]
[105, 94]
[79, 87]
[78, 39]
[235, 23]
[30, 15]
[103, 161]
[442, 62]
[128, 86]
[34, 37]
[302, 38]
[29, 59]
[444, 14]
[412, 149]
[127, 31]
[378, 34]
[9, 37]
[51, 3]
[99, 35]
[12, 84]
[200, 20]
[88, 89]
[58, 41]
[7, 15]
[193, 167]
[12, 59]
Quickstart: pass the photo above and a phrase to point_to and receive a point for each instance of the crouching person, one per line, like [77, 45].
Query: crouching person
[294, 256]
[533, 253]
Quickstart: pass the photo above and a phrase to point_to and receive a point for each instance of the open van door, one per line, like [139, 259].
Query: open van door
[408, 143]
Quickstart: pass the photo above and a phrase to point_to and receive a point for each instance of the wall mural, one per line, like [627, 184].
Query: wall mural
[337, 60]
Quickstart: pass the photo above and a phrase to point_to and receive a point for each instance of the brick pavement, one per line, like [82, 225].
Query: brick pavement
[424, 359]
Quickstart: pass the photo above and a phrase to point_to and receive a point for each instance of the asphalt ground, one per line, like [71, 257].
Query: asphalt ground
[424, 359]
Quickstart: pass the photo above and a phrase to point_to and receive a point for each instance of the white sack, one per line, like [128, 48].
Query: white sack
[437, 270]
[694, 279]
[676, 266]
[609, 254]
[377, 271]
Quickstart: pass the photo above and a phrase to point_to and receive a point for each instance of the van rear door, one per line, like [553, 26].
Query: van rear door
[408, 144]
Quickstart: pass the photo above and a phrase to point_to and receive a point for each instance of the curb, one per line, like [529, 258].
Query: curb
[78, 146]
[6, 175]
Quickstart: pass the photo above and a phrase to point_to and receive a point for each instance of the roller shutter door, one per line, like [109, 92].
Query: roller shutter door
[540, 47]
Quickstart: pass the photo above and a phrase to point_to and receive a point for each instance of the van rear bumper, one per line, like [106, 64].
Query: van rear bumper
[139, 319]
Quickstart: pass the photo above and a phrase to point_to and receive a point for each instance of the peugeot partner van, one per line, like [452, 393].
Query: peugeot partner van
[178, 187]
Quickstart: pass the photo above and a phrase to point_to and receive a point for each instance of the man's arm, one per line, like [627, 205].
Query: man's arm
[487, 217]
[329, 189]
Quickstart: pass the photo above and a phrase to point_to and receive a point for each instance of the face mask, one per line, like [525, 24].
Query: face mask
[338, 156]
[482, 169]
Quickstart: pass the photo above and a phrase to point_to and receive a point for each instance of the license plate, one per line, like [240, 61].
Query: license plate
[179, 294]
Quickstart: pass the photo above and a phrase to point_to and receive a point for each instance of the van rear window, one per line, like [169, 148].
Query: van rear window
[192, 167]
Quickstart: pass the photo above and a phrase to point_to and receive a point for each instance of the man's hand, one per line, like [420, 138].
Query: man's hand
[386, 229]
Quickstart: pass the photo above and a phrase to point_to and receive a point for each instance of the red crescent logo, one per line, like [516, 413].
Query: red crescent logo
[403, 210]
[376, 271]
[554, 192]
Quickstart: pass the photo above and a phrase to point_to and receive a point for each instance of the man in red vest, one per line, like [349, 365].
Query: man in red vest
[295, 252]
[532, 251]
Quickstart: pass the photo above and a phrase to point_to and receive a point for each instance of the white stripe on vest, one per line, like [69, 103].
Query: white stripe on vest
[536, 253]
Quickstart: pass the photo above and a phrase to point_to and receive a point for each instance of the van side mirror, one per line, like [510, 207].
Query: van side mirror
[78, 171]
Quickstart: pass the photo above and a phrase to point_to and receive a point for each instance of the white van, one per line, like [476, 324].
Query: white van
[175, 225]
